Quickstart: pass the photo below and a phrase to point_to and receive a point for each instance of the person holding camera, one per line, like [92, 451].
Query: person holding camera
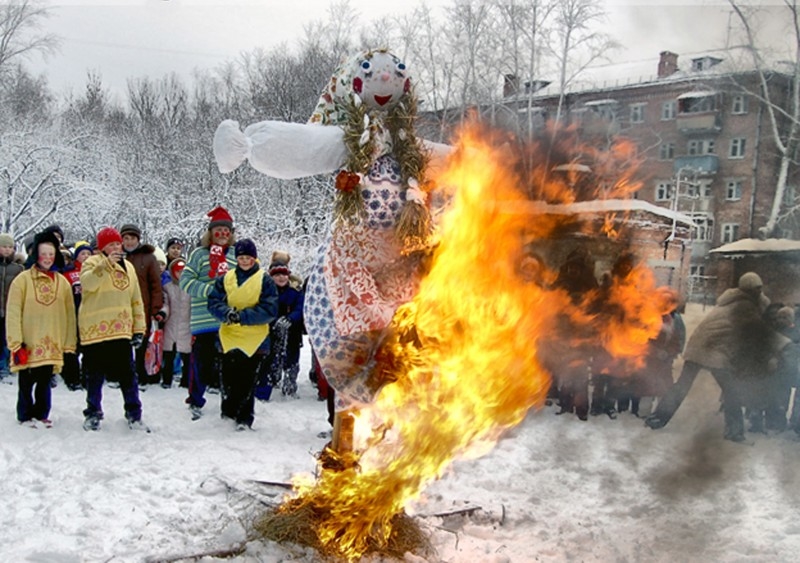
[111, 322]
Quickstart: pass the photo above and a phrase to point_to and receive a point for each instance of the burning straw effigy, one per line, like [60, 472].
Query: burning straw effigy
[463, 357]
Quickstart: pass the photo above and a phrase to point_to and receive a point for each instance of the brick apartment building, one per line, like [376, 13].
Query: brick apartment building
[706, 143]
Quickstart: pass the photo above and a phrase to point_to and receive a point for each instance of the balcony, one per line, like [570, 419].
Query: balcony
[706, 122]
[704, 164]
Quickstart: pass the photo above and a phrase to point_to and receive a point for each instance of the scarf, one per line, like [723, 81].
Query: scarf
[218, 264]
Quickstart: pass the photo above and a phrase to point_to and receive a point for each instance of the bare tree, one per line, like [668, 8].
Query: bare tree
[783, 114]
[577, 44]
[470, 39]
[20, 36]
[431, 64]
[25, 96]
[41, 177]
[526, 35]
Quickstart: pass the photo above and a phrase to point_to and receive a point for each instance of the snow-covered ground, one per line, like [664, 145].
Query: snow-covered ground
[554, 489]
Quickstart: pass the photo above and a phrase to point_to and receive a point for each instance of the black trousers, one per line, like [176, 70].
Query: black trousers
[168, 367]
[239, 375]
[731, 397]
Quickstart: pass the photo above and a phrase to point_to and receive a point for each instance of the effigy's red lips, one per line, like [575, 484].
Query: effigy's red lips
[383, 100]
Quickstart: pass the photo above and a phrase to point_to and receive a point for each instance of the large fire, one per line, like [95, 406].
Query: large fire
[468, 350]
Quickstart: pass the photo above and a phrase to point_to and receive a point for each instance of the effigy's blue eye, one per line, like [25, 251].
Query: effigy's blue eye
[366, 66]
[401, 67]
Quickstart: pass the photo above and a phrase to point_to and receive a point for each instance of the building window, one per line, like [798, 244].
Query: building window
[663, 191]
[700, 146]
[637, 113]
[699, 189]
[697, 271]
[704, 226]
[739, 104]
[697, 103]
[668, 110]
[733, 190]
[730, 232]
[666, 151]
[737, 148]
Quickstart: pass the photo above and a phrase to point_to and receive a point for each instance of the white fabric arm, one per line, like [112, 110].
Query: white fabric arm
[439, 153]
[279, 149]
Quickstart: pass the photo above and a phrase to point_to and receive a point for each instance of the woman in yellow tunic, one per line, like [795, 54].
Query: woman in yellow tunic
[246, 301]
[40, 322]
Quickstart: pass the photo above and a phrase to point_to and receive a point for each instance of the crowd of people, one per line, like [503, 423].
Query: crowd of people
[218, 317]
[750, 346]
[228, 325]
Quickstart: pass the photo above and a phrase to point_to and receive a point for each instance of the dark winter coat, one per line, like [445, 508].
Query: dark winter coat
[73, 274]
[290, 305]
[149, 274]
[656, 377]
[264, 312]
[733, 336]
[10, 268]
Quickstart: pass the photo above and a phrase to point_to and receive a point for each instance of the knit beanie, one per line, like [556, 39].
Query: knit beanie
[278, 268]
[750, 282]
[6, 240]
[130, 229]
[176, 267]
[161, 258]
[220, 218]
[785, 314]
[245, 247]
[79, 247]
[174, 240]
[107, 235]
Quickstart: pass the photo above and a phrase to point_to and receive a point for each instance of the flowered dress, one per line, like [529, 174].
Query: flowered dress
[358, 281]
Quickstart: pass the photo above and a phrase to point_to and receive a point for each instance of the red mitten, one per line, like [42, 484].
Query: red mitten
[21, 357]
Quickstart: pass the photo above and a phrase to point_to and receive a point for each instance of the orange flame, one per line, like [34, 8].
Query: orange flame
[468, 347]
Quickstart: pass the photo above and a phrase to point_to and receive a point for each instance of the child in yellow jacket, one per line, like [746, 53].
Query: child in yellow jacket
[40, 322]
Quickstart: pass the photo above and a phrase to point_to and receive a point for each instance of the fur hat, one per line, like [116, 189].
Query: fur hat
[107, 235]
[130, 229]
[245, 247]
[55, 229]
[279, 268]
[220, 218]
[280, 256]
[48, 238]
[6, 240]
[750, 282]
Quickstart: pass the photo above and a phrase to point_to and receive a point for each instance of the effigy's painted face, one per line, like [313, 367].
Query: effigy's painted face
[380, 80]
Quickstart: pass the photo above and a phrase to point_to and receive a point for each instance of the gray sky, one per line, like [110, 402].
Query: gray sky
[130, 38]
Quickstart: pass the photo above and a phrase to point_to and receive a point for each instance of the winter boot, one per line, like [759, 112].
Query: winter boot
[91, 423]
[289, 383]
[138, 425]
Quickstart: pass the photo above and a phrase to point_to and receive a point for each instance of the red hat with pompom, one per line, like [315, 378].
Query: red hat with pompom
[220, 218]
